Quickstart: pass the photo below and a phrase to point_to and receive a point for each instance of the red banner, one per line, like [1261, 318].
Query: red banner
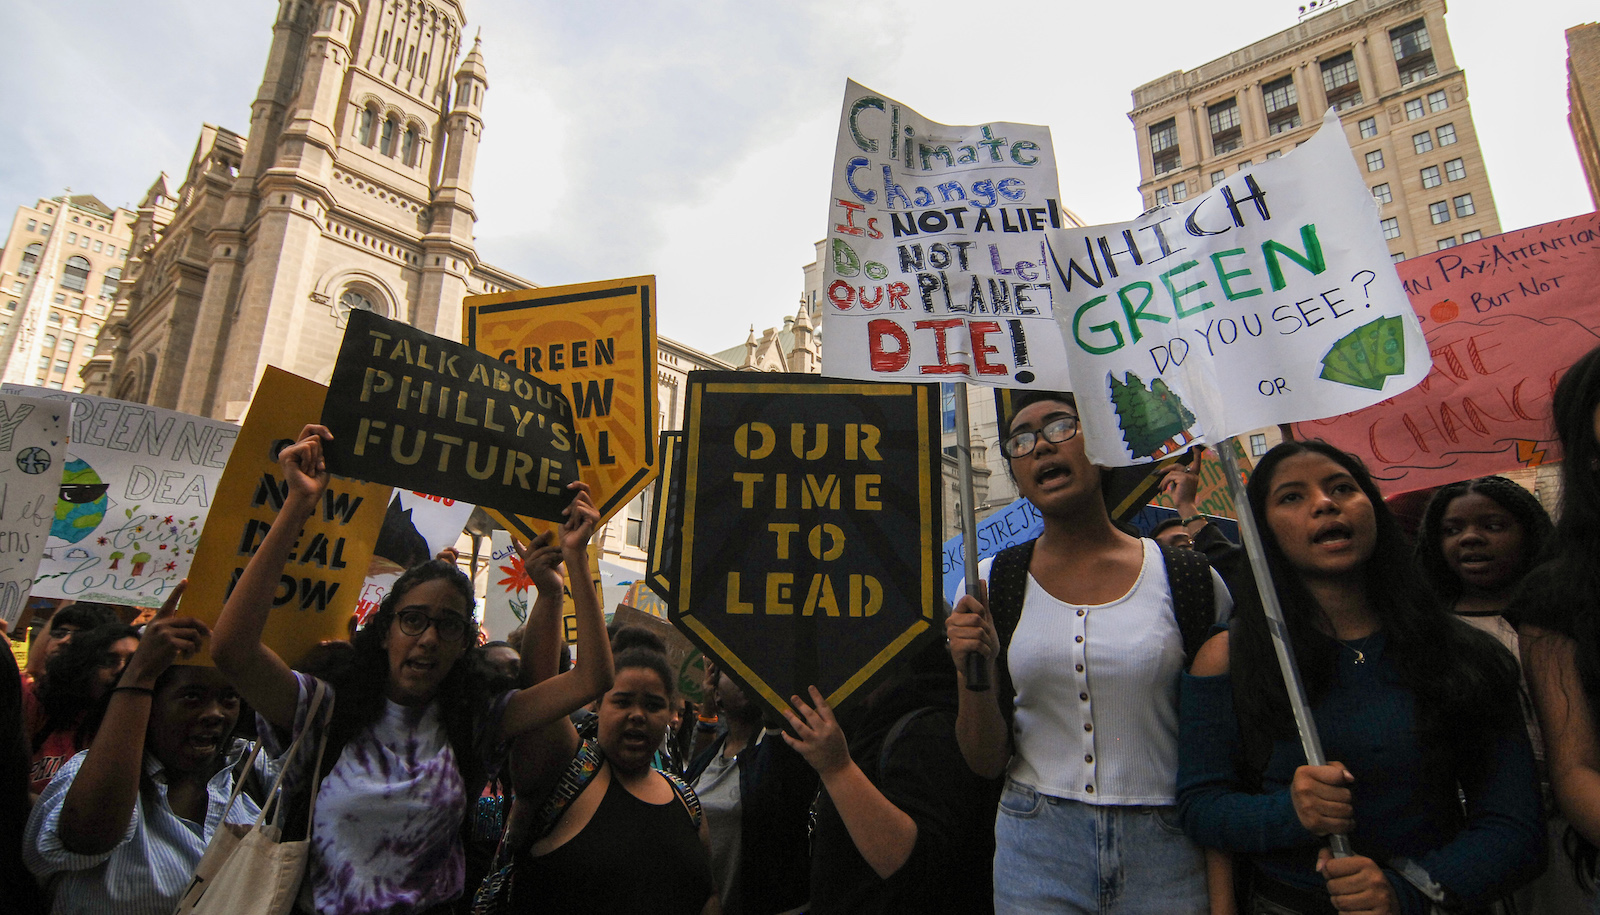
[1504, 318]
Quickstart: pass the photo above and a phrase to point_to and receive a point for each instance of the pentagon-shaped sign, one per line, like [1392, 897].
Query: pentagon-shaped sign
[666, 518]
[810, 540]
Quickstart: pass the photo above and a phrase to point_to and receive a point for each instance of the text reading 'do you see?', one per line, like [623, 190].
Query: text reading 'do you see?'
[937, 267]
[418, 411]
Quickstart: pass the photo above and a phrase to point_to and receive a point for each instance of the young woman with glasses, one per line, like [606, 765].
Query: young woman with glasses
[415, 732]
[1083, 714]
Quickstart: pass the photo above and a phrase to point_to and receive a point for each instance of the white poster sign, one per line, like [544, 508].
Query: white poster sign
[134, 494]
[416, 527]
[505, 603]
[33, 448]
[937, 267]
[1269, 299]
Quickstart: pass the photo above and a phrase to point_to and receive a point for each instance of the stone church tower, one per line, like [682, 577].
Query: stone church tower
[351, 190]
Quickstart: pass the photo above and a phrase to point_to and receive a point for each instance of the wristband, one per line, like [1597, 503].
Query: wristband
[134, 689]
[1191, 519]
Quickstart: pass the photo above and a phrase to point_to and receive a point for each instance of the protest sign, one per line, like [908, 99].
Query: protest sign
[135, 492]
[33, 449]
[685, 660]
[505, 600]
[598, 341]
[415, 528]
[1269, 299]
[811, 510]
[1016, 523]
[414, 410]
[666, 517]
[1504, 318]
[321, 583]
[644, 598]
[937, 268]
[1211, 495]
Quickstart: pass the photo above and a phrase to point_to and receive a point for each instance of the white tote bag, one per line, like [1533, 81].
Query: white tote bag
[248, 869]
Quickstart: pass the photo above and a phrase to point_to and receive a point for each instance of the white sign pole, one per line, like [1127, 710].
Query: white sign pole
[1310, 740]
[977, 670]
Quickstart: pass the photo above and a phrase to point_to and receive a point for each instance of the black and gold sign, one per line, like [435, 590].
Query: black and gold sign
[809, 551]
[411, 409]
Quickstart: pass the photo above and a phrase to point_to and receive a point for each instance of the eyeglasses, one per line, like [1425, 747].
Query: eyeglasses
[451, 628]
[1055, 431]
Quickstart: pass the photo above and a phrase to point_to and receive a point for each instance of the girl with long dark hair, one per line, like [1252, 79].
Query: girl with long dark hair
[414, 733]
[1559, 606]
[1415, 710]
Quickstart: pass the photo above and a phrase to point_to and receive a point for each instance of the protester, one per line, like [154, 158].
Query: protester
[620, 810]
[901, 813]
[62, 711]
[1181, 483]
[413, 734]
[1412, 706]
[502, 659]
[1170, 532]
[56, 633]
[1559, 606]
[1101, 633]
[123, 825]
[757, 794]
[1477, 540]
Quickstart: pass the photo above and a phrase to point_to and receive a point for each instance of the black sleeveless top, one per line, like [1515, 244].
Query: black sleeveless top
[630, 857]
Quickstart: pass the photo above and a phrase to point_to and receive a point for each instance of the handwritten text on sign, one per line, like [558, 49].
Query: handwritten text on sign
[936, 267]
[1269, 299]
[33, 448]
[1504, 318]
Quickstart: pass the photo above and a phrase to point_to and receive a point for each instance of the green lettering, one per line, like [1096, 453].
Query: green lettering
[1312, 259]
[1224, 275]
[1136, 314]
[1077, 320]
[1178, 294]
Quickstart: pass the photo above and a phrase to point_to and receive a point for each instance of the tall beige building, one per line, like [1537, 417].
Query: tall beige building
[1385, 65]
[59, 273]
[351, 189]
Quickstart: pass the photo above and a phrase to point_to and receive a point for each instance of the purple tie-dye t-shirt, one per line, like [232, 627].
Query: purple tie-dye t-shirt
[387, 832]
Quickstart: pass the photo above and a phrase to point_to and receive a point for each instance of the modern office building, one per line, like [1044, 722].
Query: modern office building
[59, 272]
[1385, 65]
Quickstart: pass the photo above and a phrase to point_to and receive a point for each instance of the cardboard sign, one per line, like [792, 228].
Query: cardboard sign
[322, 580]
[33, 449]
[811, 514]
[1504, 318]
[135, 492]
[937, 268]
[1269, 299]
[684, 659]
[414, 410]
[666, 517]
[596, 341]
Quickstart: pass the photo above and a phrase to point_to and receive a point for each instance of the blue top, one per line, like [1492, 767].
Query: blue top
[1406, 804]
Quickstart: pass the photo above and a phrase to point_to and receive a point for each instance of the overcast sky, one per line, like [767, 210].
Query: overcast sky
[694, 140]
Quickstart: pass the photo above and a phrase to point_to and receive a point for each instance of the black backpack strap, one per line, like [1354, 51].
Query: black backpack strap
[896, 732]
[1194, 602]
[686, 794]
[1008, 586]
[580, 772]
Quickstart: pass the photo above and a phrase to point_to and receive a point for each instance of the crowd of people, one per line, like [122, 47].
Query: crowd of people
[1136, 749]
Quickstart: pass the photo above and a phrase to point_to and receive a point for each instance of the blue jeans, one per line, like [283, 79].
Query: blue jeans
[1057, 855]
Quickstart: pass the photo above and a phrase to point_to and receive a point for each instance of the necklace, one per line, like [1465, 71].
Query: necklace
[1361, 656]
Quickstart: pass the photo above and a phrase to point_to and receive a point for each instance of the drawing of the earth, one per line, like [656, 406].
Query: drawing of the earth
[82, 505]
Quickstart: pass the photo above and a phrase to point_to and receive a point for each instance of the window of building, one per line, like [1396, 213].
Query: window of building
[1413, 52]
[83, 242]
[66, 347]
[369, 118]
[1444, 243]
[1473, 235]
[1414, 109]
[77, 302]
[72, 238]
[33, 225]
[1369, 127]
[11, 304]
[74, 220]
[386, 140]
[1243, 165]
[634, 535]
[1447, 135]
[44, 363]
[94, 329]
[48, 341]
[1282, 104]
[1464, 205]
[1439, 212]
[1391, 227]
[1217, 176]
[61, 366]
[98, 309]
[108, 285]
[1161, 196]
[71, 322]
[947, 406]
[1430, 177]
[18, 286]
[1437, 101]
[1455, 170]
[1276, 153]
[59, 298]
[98, 245]
[408, 146]
[1381, 193]
[1375, 160]
[1164, 146]
[55, 318]
[88, 348]
[1340, 82]
[1180, 191]
[1422, 142]
[1397, 257]
[46, 228]
[75, 273]
[1223, 119]
[30, 259]
[1258, 444]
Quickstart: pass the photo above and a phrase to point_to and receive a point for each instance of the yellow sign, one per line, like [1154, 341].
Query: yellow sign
[322, 582]
[597, 342]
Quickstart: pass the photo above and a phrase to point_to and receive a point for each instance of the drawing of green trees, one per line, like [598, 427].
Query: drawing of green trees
[1148, 417]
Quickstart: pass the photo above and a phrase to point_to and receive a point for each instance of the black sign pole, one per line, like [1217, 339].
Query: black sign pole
[977, 670]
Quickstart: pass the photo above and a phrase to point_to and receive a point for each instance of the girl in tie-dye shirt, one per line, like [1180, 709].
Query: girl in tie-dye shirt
[416, 730]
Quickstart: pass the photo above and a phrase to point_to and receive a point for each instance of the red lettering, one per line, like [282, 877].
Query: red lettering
[1372, 443]
[1451, 360]
[944, 366]
[1449, 424]
[980, 348]
[873, 302]
[887, 360]
[841, 294]
[1475, 354]
[897, 296]
[1516, 401]
[872, 228]
[849, 226]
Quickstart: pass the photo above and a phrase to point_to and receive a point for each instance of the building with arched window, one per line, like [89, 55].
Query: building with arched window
[351, 191]
[59, 271]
